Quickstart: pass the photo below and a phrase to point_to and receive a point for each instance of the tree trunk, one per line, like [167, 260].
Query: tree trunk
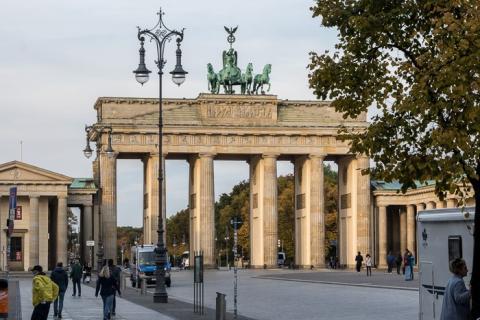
[475, 280]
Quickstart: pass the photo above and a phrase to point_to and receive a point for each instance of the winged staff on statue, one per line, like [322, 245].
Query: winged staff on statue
[231, 75]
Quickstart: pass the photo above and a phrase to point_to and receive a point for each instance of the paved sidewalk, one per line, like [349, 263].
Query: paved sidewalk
[87, 306]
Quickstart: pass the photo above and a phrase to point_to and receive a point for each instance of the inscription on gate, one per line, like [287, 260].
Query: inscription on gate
[239, 112]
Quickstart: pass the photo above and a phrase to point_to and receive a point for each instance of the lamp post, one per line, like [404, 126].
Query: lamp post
[160, 34]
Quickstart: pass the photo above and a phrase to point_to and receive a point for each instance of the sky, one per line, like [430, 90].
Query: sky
[57, 57]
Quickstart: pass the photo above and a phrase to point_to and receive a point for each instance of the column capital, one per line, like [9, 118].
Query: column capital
[320, 156]
[207, 155]
[34, 196]
[62, 196]
[110, 157]
[270, 155]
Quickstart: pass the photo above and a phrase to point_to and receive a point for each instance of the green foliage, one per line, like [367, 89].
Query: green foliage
[178, 232]
[126, 237]
[417, 65]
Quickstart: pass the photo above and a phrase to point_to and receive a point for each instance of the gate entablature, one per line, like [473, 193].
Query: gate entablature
[226, 124]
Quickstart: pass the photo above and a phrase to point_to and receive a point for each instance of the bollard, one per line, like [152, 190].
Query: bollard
[221, 307]
[123, 281]
[143, 286]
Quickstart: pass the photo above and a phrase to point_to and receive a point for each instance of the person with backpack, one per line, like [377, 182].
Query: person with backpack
[44, 291]
[76, 276]
[115, 272]
[60, 277]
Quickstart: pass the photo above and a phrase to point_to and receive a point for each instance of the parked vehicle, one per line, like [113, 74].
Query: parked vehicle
[186, 260]
[144, 266]
[442, 236]
[281, 259]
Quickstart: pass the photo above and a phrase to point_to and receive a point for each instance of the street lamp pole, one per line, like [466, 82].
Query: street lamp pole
[160, 34]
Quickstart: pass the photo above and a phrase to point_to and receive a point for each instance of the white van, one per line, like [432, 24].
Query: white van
[442, 235]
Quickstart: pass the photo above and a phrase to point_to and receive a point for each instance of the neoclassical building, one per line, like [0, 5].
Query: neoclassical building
[40, 226]
[394, 215]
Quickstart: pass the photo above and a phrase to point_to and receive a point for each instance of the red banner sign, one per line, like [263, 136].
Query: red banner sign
[18, 213]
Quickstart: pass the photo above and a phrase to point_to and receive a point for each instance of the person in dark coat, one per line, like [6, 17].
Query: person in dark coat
[390, 261]
[359, 260]
[115, 272]
[60, 277]
[76, 276]
[398, 262]
[106, 285]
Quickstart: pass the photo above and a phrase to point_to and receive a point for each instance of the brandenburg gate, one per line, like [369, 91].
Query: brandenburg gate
[258, 129]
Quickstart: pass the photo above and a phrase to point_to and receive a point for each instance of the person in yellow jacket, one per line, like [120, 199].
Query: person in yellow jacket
[44, 291]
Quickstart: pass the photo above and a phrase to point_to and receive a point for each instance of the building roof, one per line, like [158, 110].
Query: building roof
[83, 183]
[396, 185]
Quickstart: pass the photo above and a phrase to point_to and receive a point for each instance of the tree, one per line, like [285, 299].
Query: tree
[416, 65]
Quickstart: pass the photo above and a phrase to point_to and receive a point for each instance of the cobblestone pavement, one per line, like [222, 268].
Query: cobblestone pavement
[379, 279]
[87, 306]
[261, 298]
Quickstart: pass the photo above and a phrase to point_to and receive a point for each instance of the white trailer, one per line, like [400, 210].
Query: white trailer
[442, 235]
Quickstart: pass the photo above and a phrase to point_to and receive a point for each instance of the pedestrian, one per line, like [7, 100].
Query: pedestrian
[87, 273]
[332, 262]
[76, 276]
[60, 277]
[115, 272]
[398, 262]
[107, 287]
[337, 262]
[390, 261]
[368, 264]
[405, 261]
[359, 260]
[44, 291]
[409, 266]
[456, 302]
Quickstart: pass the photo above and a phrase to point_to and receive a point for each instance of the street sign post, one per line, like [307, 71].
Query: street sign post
[12, 207]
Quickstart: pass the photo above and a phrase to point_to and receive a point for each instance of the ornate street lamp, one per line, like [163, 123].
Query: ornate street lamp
[160, 34]
[90, 130]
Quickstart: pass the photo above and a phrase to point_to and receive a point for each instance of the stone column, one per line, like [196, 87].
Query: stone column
[202, 211]
[152, 197]
[62, 236]
[309, 205]
[256, 211]
[430, 205]
[108, 185]
[96, 234]
[382, 236]
[33, 231]
[207, 208]
[87, 231]
[440, 204]
[403, 230]
[451, 203]
[411, 228]
[270, 217]
[363, 206]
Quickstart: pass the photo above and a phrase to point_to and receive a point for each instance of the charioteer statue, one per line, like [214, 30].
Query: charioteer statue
[231, 75]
